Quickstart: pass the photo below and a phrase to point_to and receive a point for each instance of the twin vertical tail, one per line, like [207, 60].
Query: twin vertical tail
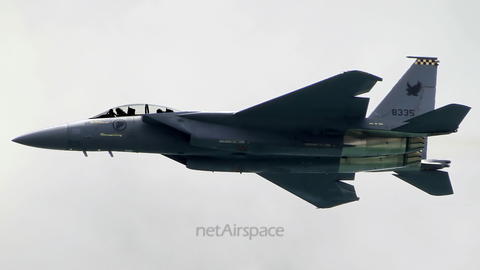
[414, 93]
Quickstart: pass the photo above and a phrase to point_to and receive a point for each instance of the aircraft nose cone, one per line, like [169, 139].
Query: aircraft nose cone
[50, 138]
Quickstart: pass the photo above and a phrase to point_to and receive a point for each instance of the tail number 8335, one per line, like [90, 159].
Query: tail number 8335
[403, 112]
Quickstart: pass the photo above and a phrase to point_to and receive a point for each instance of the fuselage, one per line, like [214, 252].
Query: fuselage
[238, 150]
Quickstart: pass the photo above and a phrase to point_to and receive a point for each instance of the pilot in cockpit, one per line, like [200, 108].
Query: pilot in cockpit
[120, 112]
[110, 113]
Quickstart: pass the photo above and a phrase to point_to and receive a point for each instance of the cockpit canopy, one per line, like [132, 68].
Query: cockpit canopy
[134, 110]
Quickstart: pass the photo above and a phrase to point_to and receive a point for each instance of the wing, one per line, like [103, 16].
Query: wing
[320, 189]
[330, 98]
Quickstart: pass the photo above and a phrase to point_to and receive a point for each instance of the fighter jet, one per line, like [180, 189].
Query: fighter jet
[308, 141]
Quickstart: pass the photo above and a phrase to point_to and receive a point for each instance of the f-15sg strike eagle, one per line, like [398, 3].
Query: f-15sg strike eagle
[306, 141]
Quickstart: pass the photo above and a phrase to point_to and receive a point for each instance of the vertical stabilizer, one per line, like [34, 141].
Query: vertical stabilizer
[414, 93]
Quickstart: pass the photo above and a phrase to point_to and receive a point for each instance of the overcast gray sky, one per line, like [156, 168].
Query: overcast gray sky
[63, 61]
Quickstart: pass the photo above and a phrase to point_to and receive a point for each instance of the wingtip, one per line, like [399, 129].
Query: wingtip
[363, 72]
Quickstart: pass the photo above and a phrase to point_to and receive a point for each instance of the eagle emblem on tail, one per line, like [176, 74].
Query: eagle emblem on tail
[413, 90]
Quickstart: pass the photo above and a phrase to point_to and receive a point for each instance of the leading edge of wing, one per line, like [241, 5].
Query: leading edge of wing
[320, 189]
[333, 97]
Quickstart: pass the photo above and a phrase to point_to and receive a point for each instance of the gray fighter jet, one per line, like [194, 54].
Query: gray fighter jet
[306, 141]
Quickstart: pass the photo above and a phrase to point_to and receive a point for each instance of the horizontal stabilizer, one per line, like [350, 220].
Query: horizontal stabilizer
[320, 189]
[443, 120]
[433, 182]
